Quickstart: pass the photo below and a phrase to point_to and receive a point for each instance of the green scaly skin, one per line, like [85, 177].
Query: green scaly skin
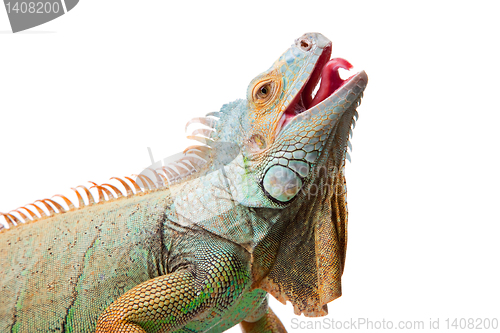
[202, 254]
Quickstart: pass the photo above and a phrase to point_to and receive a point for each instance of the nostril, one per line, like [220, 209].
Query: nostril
[305, 44]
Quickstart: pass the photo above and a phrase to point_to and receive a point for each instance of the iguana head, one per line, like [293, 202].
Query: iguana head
[293, 132]
[289, 133]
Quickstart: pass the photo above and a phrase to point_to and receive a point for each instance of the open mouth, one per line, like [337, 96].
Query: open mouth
[310, 95]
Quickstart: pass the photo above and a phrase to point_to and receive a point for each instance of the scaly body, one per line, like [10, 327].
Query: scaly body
[260, 208]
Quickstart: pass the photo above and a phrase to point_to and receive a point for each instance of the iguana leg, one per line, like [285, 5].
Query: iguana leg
[168, 302]
[262, 321]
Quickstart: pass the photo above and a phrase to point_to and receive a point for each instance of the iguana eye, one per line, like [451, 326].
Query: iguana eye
[263, 92]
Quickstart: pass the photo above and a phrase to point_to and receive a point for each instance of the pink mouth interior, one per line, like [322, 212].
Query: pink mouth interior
[330, 82]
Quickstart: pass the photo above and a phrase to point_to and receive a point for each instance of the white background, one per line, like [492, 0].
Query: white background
[83, 96]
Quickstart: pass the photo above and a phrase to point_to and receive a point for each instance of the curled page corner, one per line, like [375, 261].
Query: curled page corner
[26, 14]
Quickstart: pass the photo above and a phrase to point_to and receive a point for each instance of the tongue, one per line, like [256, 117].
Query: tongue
[330, 79]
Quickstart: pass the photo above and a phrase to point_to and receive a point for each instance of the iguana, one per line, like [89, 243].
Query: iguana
[200, 251]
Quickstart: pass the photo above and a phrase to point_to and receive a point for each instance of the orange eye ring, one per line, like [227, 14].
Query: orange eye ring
[265, 91]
